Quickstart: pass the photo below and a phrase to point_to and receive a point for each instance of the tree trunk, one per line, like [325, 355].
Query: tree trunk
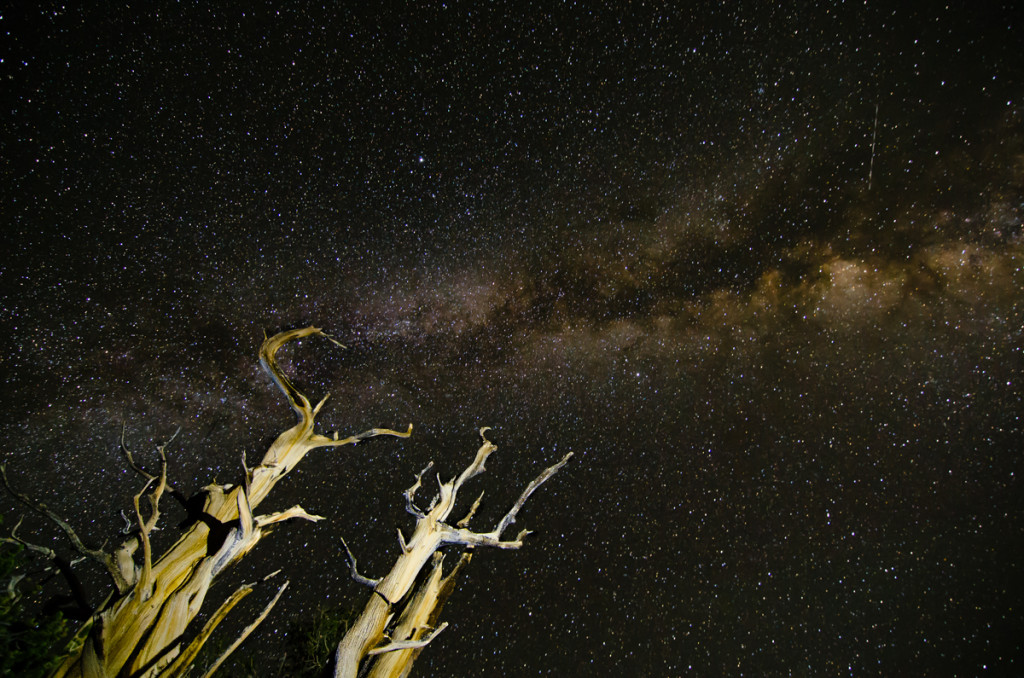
[366, 637]
[138, 631]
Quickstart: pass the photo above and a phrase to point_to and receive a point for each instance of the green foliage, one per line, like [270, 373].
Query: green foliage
[312, 640]
[29, 646]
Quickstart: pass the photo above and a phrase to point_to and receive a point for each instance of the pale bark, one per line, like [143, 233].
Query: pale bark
[138, 631]
[367, 636]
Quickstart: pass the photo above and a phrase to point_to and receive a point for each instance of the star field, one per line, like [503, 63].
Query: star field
[643, 234]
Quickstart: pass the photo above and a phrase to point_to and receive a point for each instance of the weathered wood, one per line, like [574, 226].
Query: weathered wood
[138, 631]
[367, 635]
[418, 623]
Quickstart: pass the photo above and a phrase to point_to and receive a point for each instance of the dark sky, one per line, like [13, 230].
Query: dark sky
[759, 267]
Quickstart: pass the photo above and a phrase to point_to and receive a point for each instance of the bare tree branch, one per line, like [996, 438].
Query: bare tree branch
[47, 553]
[105, 559]
[186, 657]
[245, 633]
[431, 532]
[141, 631]
[410, 494]
[139, 634]
[510, 517]
[399, 645]
[365, 581]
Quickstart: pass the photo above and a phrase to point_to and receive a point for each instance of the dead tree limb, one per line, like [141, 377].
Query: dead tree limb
[367, 636]
[138, 631]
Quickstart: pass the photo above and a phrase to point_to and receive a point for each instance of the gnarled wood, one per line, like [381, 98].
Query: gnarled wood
[138, 631]
[367, 635]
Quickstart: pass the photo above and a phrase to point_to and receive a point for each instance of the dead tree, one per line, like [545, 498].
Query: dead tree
[138, 630]
[392, 654]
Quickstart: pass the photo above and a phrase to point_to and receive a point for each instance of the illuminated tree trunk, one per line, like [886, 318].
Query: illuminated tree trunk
[138, 630]
[393, 654]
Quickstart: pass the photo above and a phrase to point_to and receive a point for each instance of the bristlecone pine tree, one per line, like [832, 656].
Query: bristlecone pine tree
[139, 629]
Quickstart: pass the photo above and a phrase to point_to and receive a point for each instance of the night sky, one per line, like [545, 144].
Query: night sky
[759, 267]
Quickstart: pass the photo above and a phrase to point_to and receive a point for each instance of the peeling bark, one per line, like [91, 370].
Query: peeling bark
[368, 635]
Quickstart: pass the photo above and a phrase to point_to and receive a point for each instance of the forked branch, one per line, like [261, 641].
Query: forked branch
[367, 635]
[139, 633]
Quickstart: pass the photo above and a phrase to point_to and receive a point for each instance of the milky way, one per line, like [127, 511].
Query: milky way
[646, 236]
